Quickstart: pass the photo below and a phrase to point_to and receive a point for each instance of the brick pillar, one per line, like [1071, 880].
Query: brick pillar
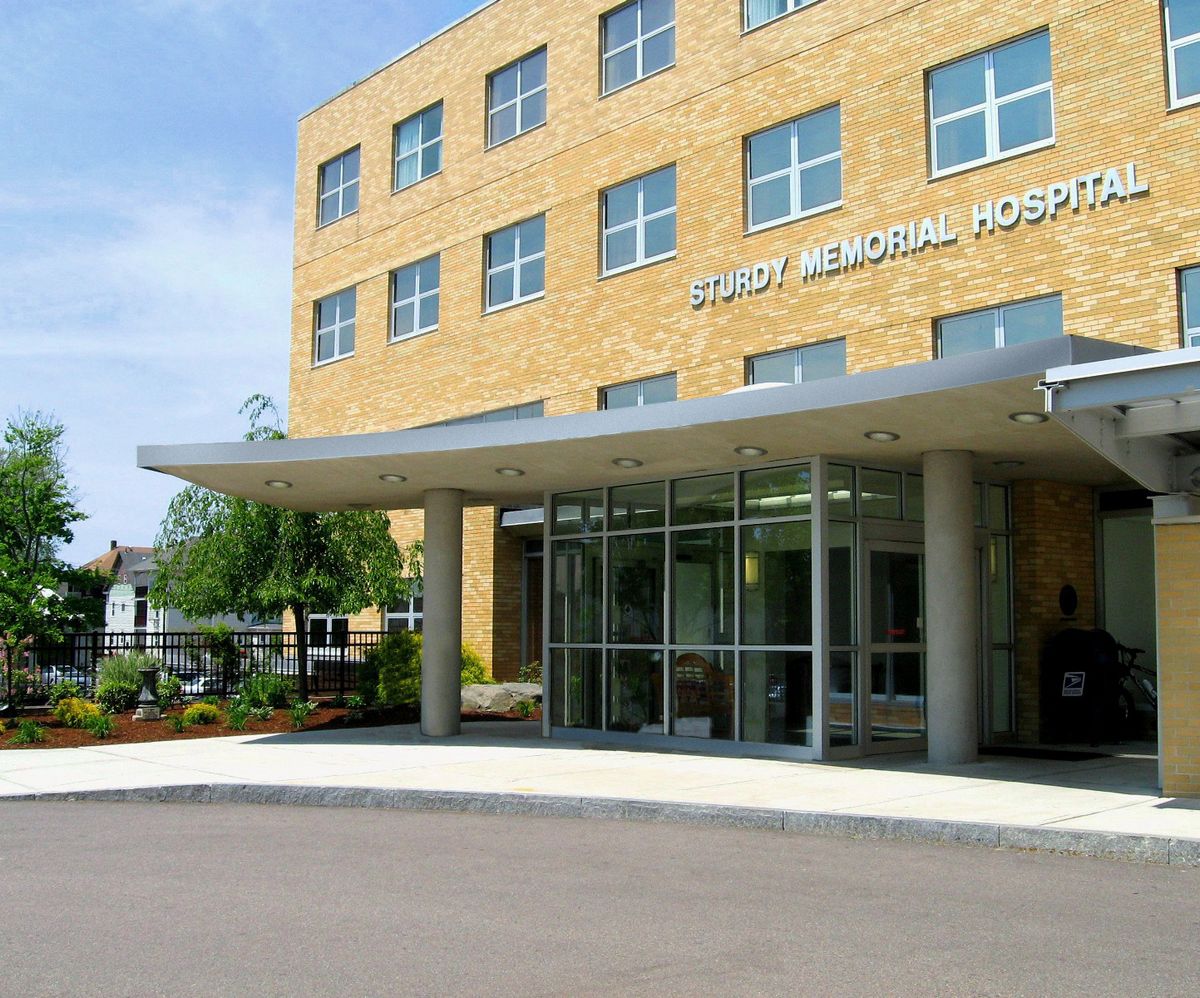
[1177, 588]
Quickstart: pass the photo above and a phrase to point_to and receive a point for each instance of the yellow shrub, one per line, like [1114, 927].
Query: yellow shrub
[201, 713]
[75, 713]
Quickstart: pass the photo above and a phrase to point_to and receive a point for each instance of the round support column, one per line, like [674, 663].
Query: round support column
[442, 587]
[951, 609]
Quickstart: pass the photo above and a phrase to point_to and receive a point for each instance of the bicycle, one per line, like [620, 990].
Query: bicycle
[1133, 678]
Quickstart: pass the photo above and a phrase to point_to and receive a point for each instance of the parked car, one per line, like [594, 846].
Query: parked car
[195, 684]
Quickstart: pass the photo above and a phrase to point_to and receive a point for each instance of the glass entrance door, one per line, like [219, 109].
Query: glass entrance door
[895, 660]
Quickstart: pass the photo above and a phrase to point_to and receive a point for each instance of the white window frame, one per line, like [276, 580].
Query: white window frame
[998, 312]
[1173, 45]
[1191, 334]
[342, 187]
[796, 167]
[336, 328]
[639, 221]
[991, 110]
[639, 41]
[797, 360]
[641, 387]
[423, 145]
[792, 7]
[494, 109]
[518, 262]
[411, 616]
[419, 295]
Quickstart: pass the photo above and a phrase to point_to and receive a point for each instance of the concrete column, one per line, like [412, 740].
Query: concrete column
[442, 624]
[951, 609]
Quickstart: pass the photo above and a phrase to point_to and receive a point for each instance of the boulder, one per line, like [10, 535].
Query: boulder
[499, 699]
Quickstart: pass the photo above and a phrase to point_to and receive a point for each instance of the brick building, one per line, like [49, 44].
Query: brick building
[717, 331]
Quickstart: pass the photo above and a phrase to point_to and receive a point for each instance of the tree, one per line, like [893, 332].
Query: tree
[221, 554]
[37, 509]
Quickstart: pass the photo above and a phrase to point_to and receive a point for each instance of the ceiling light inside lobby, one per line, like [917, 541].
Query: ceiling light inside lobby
[510, 472]
[750, 451]
[1028, 418]
[392, 478]
[276, 483]
[1008, 465]
[627, 462]
[882, 436]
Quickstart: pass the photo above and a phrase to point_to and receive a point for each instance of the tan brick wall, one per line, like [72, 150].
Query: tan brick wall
[1177, 570]
[1053, 546]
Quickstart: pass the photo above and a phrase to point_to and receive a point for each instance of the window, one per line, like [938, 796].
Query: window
[645, 392]
[327, 630]
[639, 39]
[418, 147]
[790, 367]
[1189, 292]
[335, 327]
[530, 410]
[761, 11]
[1006, 326]
[405, 615]
[415, 296]
[1183, 50]
[639, 221]
[517, 98]
[338, 184]
[516, 263]
[991, 105]
[795, 169]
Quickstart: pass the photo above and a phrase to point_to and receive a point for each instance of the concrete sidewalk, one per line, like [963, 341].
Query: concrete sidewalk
[1096, 807]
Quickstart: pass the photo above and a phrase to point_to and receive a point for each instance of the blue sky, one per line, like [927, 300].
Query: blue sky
[146, 217]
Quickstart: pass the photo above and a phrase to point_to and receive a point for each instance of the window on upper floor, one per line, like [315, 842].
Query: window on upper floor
[648, 391]
[1189, 294]
[638, 221]
[991, 105]
[415, 298]
[794, 169]
[418, 147]
[333, 336]
[1005, 326]
[516, 263]
[529, 410]
[406, 615]
[517, 98]
[790, 367]
[337, 183]
[761, 11]
[1182, 22]
[639, 39]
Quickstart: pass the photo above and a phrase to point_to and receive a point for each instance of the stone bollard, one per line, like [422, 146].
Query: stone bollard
[147, 708]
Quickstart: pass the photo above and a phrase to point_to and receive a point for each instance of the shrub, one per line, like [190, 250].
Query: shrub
[201, 713]
[262, 713]
[26, 688]
[170, 692]
[75, 713]
[396, 661]
[116, 696]
[212, 701]
[356, 703]
[531, 672]
[300, 711]
[366, 677]
[29, 732]
[263, 689]
[235, 717]
[124, 669]
[474, 672]
[176, 723]
[102, 725]
[525, 708]
[65, 689]
[338, 701]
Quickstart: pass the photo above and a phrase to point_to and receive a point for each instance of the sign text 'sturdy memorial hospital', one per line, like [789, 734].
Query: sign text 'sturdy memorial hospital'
[1092, 190]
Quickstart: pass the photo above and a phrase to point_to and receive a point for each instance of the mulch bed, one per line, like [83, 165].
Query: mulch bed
[324, 718]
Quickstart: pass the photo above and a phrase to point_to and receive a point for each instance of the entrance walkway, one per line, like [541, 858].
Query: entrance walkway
[1097, 807]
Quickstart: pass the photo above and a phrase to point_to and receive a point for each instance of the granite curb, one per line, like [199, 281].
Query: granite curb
[1128, 846]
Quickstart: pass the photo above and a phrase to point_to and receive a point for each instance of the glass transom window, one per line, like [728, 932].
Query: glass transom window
[648, 391]
[517, 98]
[1006, 326]
[516, 263]
[639, 39]
[337, 182]
[1189, 288]
[529, 410]
[761, 11]
[334, 334]
[795, 169]
[418, 147]
[991, 105]
[639, 221]
[1183, 50]
[790, 367]
[415, 297]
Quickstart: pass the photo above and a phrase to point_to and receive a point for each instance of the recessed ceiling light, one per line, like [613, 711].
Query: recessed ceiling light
[749, 451]
[510, 472]
[627, 462]
[882, 436]
[1028, 418]
[276, 483]
[392, 478]
[1008, 464]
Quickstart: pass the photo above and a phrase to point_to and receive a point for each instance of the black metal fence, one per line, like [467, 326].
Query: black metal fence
[206, 664]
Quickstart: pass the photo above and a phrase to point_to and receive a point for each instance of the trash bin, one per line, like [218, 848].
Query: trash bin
[1078, 687]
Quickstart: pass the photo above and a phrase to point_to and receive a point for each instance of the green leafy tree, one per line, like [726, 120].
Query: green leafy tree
[220, 554]
[37, 510]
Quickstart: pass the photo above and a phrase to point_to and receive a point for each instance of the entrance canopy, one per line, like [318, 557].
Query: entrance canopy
[959, 403]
